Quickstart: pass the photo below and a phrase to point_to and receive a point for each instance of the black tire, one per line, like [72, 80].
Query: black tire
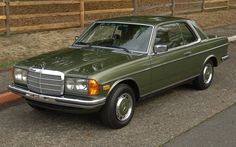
[109, 114]
[200, 82]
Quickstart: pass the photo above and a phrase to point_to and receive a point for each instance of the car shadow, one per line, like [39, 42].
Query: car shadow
[90, 120]
[162, 94]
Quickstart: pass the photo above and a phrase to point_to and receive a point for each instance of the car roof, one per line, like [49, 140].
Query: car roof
[149, 20]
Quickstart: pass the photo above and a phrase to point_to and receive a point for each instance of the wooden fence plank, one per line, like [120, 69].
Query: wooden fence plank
[2, 17]
[215, 1]
[45, 27]
[135, 6]
[109, 11]
[218, 7]
[82, 13]
[2, 30]
[144, 8]
[188, 3]
[35, 3]
[7, 14]
[188, 11]
[105, 0]
[232, 6]
[203, 5]
[173, 7]
[165, 14]
[2, 4]
[25, 16]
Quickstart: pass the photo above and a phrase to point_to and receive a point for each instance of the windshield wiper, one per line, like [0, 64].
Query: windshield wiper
[119, 47]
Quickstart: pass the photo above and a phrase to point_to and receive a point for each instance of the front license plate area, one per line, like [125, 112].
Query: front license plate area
[34, 96]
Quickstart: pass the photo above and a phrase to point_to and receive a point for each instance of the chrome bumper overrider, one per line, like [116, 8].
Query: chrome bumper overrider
[61, 101]
[225, 57]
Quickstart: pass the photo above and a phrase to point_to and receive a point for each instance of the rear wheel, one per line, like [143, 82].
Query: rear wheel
[119, 108]
[204, 80]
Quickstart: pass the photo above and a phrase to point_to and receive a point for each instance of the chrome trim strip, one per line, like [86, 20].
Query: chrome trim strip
[210, 39]
[48, 72]
[45, 83]
[120, 22]
[62, 101]
[40, 88]
[207, 58]
[45, 78]
[121, 77]
[193, 30]
[124, 22]
[225, 57]
[173, 84]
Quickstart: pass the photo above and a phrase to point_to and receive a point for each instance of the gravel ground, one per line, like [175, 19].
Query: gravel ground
[4, 80]
[156, 120]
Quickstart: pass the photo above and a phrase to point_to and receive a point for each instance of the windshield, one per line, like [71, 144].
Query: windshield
[118, 35]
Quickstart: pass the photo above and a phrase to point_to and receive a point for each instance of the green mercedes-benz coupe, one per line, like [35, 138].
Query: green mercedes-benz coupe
[116, 62]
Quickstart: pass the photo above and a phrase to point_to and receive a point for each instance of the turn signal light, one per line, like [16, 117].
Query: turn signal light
[93, 87]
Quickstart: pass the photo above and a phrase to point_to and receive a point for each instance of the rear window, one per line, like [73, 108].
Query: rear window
[187, 34]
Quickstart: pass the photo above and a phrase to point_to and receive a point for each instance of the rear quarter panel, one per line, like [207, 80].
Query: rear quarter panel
[213, 47]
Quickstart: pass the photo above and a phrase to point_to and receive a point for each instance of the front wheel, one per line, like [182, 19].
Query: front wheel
[119, 108]
[204, 80]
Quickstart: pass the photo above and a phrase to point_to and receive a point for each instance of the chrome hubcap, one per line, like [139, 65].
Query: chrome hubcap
[124, 107]
[207, 73]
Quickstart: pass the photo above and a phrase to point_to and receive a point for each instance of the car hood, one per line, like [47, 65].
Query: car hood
[79, 61]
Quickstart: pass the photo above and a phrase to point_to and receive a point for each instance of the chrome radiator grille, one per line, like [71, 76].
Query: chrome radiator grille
[45, 81]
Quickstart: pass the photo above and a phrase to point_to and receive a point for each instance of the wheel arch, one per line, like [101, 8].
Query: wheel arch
[130, 82]
[213, 59]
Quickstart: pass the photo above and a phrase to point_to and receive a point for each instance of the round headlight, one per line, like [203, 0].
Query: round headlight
[70, 84]
[24, 75]
[18, 74]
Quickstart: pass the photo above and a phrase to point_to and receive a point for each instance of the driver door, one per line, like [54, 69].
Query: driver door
[168, 66]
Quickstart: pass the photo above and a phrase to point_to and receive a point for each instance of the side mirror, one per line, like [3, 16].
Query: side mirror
[160, 48]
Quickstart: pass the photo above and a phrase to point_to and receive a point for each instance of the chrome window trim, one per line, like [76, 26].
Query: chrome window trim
[85, 31]
[188, 22]
[120, 22]
[209, 39]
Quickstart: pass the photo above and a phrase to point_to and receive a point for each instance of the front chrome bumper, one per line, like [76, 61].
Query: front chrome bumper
[61, 101]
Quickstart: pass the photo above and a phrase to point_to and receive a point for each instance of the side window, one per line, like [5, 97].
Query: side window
[187, 34]
[169, 35]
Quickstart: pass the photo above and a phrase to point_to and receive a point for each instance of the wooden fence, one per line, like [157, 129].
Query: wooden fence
[232, 3]
[7, 6]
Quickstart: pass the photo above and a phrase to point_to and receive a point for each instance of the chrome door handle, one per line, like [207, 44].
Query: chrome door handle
[188, 53]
